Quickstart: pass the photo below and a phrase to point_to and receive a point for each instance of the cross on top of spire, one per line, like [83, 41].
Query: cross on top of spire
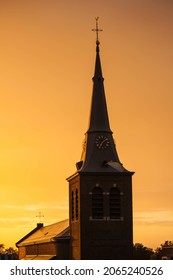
[97, 30]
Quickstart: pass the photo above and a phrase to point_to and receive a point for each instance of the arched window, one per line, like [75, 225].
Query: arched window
[114, 204]
[97, 203]
[72, 206]
[77, 206]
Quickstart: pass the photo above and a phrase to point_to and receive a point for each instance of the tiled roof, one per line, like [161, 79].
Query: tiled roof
[48, 233]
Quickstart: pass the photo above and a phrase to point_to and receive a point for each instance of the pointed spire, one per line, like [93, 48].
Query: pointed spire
[99, 120]
[99, 152]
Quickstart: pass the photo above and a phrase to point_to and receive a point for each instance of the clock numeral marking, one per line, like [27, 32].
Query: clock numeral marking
[102, 142]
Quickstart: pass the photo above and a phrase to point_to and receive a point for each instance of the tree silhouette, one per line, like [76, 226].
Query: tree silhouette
[159, 251]
[8, 251]
[2, 247]
[140, 252]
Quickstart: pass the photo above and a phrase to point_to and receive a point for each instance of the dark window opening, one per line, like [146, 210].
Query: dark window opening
[72, 206]
[115, 204]
[97, 203]
[77, 206]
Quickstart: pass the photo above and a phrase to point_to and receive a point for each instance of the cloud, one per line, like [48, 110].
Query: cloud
[154, 217]
[18, 222]
[37, 206]
[25, 216]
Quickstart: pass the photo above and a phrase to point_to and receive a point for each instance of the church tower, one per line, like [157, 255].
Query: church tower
[100, 192]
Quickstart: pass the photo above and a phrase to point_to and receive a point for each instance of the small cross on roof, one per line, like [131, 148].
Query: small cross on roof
[39, 216]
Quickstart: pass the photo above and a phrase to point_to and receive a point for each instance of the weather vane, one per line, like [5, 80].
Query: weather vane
[40, 216]
[97, 30]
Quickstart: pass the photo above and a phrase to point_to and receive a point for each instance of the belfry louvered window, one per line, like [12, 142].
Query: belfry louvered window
[77, 205]
[72, 206]
[114, 204]
[97, 203]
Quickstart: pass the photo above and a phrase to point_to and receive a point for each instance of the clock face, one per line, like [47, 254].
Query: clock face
[102, 142]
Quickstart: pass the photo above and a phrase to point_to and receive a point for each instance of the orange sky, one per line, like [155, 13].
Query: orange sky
[47, 56]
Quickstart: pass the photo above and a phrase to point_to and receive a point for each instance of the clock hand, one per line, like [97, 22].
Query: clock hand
[102, 142]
